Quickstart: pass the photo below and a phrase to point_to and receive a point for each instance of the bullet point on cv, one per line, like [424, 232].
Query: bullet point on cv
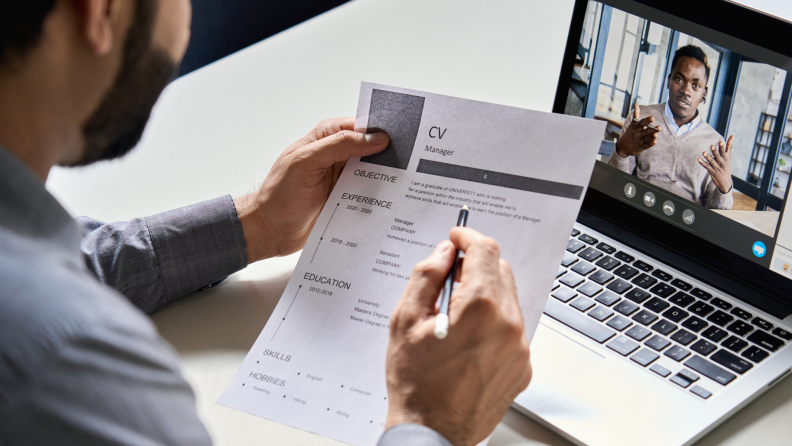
[243, 385]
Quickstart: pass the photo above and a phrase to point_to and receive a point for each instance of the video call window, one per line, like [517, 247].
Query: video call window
[624, 60]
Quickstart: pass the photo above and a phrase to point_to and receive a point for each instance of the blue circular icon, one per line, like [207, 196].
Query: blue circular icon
[759, 249]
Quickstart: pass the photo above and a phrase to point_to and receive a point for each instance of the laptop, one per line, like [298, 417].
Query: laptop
[671, 308]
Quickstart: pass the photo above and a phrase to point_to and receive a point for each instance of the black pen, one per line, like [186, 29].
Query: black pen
[441, 323]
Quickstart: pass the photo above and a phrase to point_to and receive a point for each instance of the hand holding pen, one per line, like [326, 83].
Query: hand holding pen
[441, 323]
[481, 366]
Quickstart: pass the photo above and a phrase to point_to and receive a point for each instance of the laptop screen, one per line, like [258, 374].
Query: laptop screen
[699, 128]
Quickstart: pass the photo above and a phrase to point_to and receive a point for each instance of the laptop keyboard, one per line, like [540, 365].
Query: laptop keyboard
[653, 317]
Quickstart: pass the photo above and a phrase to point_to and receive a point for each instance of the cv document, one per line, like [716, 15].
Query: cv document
[319, 363]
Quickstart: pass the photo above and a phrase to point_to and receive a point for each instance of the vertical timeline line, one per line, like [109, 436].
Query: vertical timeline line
[287, 312]
[323, 233]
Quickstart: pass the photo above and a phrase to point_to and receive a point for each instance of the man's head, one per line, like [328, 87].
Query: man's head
[90, 69]
[687, 83]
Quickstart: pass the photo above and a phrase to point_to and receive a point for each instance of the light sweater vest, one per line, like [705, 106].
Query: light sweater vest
[672, 163]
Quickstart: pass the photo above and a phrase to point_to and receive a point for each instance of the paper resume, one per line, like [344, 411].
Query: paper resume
[319, 363]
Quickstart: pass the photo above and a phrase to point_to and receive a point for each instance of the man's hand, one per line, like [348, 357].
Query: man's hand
[460, 386]
[638, 136]
[278, 217]
[719, 165]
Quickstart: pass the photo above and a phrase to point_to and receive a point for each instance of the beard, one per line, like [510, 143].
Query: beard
[117, 125]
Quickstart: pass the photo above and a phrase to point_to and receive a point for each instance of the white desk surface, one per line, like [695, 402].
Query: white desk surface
[217, 131]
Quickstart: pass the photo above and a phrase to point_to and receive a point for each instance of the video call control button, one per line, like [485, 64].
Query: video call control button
[759, 249]
[629, 190]
[688, 217]
[649, 199]
[669, 208]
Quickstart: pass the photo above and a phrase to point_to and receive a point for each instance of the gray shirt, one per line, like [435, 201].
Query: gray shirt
[672, 163]
[80, 363]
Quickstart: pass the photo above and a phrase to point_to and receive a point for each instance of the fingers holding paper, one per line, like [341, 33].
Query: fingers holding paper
[462, 385]
[278, 217]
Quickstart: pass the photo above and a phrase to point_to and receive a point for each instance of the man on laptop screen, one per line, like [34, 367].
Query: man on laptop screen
[681, 153]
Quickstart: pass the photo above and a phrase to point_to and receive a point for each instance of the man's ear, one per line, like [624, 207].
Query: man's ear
[100, 24]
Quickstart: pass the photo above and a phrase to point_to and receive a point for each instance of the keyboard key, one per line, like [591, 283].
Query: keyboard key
[703, 347]
[607, 298]
[700, 391]
[731, 361]
[656, 304]
[720, 303]
[624, 257]
[688, 375]
[765, 340]
[601, 313]
[572, 280]
[657, 343]
[680, 381]
[664, 327]
[740, 313]
[607, 248]
[684, 286]
[675, 314]
[662, 275]
[608, 263]
[619, 286]
[720, 318]
[660, 370]
[564, 294]
[555, 285]
[623, 346]
[561, 271]
[740, 328]
[590, 254]
[588, 239]
[644, 281]
[694, 324]
[569, 259]
[575, 232]
[755, 354]
[583, 268]
[638, 333]
[681, 299]
[734, 343]
[578, 322]
[683, 337]
[714, 334]
[645, 317]
[626, 307]
[619, 323]
[582, 304]
[759, 322]
[710, 370]
[663, 290]
[643, 266]
[575, 245]
[701, 294]
[590, 289]
[637, 295]
[601, 277]
[677, 353]
[783, 334]
[645, 357]
[626, 272]
[701, 309]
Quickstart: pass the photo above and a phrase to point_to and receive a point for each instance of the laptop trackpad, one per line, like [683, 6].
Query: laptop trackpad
[557, 361]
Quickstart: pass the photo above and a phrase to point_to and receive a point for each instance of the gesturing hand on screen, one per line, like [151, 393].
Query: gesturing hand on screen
[718, 164]
[638, 136]
[460, 386]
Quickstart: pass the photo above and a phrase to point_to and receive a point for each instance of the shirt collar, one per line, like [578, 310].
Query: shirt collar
[685, 128]
[27, 209]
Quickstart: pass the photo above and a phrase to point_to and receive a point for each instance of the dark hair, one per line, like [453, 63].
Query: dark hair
[694, 52]
[20, 25]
